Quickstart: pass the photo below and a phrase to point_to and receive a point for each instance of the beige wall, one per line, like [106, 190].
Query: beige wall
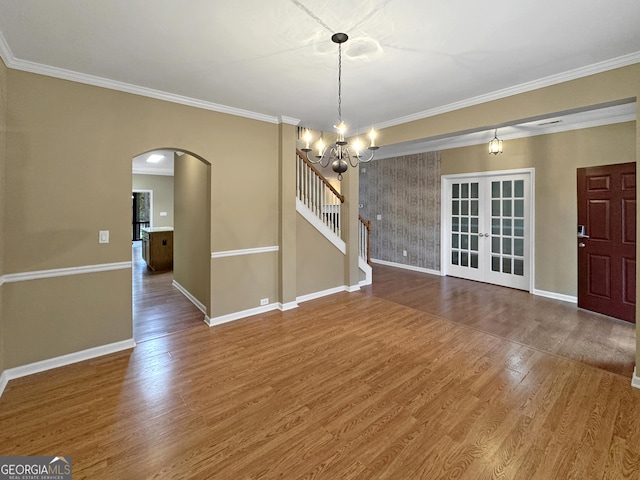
[3, 156]
[611, 86]
[192, 229]
[68, 175]
[319, 264]
[162, 187]
[555, 159]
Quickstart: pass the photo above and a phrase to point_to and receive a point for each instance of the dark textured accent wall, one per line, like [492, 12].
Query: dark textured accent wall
[405, 191]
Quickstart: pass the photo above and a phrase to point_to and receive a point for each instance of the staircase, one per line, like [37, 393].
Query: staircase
[320, 204]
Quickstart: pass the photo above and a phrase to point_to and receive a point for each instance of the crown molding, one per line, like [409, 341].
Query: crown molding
[38, 68]
[468, 141]
[167, 172]
[611, 64]
[289, 120]
[32, 67]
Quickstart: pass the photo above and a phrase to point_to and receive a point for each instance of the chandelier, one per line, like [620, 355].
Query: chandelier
[341, 154]
[495, 145]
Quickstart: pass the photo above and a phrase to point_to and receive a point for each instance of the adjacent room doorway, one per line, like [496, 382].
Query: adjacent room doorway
[607, 240]
[488, 227]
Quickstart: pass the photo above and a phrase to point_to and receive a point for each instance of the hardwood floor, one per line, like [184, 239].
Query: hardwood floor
[367, 385]
[158, 307]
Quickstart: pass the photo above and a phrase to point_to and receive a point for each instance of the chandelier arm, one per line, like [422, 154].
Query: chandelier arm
[373, 154]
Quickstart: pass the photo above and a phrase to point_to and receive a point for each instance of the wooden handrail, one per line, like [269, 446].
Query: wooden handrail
[319, 175]
[367, 224]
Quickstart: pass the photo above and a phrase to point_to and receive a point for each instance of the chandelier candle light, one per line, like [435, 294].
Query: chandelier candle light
[341, 154]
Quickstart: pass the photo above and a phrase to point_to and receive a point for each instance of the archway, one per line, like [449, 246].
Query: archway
[174, 296]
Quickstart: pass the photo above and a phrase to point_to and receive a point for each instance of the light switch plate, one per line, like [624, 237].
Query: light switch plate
[103, 236]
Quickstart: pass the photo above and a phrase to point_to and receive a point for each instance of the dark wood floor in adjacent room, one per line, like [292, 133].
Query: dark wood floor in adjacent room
[415, 377]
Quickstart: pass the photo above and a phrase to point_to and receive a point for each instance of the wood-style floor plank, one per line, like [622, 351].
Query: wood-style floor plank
[398, 381]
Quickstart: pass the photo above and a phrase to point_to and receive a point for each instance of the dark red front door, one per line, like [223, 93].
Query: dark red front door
[607, 251]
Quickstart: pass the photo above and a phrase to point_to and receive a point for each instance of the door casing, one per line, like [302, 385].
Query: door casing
[445, 212]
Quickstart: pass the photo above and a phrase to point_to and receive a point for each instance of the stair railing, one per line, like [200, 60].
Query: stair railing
[364, 234]
[317, 194]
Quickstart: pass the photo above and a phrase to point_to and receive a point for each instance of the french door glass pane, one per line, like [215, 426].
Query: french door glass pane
[518, 208]
[495, 208]
[518, 267]
[506, 208]
[506, 226]
[507, 232]
[519, 189]
[495, 264]
[506, 189]
[465, 223]
[518, 247]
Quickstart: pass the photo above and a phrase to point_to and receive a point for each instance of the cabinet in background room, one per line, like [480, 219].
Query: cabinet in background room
[157, 248]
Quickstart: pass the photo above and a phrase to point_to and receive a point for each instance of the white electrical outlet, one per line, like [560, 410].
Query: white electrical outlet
[404, 253]
[264, 301]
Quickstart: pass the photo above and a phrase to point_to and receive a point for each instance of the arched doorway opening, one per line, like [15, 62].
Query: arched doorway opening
[172, 260]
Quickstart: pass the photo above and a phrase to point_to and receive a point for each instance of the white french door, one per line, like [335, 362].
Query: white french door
[488, 227]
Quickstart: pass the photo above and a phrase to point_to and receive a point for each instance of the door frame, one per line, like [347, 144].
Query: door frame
[445, 215]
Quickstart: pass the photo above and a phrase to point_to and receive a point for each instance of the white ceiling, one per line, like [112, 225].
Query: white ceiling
[274, 60]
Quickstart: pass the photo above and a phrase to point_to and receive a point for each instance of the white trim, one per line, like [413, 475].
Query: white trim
[459, 141]
[635, 381]
[368, 272]
[4, 380]
[63, 360]
[555, 296]
[593, 69]
[230, 317]
[323, 293]
[407, 267]
[96, 81]
[287, 306]
[310, 217]
[161, 171]
[445, 214]
[289, 120]
[245, 251]
[64, 272]
[352, 288]
[191, 298]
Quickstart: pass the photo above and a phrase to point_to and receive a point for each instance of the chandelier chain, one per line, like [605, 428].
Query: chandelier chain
[339, 83]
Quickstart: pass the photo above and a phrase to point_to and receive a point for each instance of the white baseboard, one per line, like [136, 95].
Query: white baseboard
[230, 317]
[191, 298]
[287, 306]
[555, 296]
[4, 379]
[635, 381]
[323, 293]
[407, 267]
[56, 362]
